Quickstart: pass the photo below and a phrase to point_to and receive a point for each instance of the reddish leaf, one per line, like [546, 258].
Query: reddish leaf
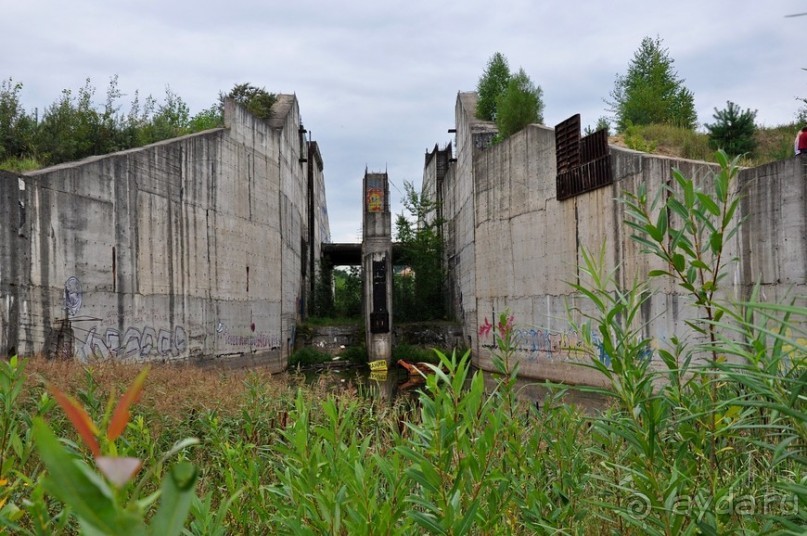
[78, 416]
[120, 417]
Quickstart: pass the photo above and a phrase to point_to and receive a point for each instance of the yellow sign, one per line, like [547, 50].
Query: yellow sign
[378, 375]
[378, 365]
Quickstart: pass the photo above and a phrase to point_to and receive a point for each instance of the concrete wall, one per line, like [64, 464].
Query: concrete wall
[512, 245]
[457, 199]
[188, 248]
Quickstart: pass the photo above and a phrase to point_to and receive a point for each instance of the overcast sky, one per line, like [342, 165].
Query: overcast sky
[377, 80]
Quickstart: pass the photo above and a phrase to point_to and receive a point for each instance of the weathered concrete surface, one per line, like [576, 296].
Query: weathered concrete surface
[511, 245]
[331, 339]
[188, 248]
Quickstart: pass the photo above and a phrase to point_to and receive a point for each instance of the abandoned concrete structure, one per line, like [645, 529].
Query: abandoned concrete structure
[511, 244]
[199, 247]
[206, 247]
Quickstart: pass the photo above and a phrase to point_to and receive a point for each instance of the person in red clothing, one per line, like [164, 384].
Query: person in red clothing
[801, 141]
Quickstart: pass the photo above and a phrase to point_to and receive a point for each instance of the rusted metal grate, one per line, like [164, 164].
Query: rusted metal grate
[583, 164]
[567, 144]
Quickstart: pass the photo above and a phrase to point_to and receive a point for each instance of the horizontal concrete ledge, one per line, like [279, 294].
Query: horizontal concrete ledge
[272, 361]
[347, 254]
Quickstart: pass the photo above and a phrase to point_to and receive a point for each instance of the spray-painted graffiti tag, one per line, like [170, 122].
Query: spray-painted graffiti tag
[134, 342]
[567, 345]
[259, 340]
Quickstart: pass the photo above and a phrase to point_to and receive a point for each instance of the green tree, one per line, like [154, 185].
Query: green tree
[69, 128]
[347, 292]
[16, 126]
[651, 91]
[733, 130]
[322, 303]
[491, 85]
[110, 123]
[419, 291]
[801, 113]
[170, 120]
[603, 123]
[74, 126]
[207, 119]
[519, 105]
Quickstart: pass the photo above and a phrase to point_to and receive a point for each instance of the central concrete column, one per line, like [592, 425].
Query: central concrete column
[376, 252]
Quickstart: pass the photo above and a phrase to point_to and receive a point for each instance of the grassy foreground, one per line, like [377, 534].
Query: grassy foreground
[278, 458]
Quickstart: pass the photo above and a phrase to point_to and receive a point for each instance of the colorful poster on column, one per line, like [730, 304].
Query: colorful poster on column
[375, 200]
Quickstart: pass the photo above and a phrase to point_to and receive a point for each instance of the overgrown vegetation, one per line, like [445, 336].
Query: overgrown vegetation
[716, 445]
[355, 354]
[492, 83]
[654, 112]
[513, 101]
[733, 130]
[414, 354]
[76, 126]
[651, 92]
[418, 278]
[771, 144]
[519, 105]
[801, 113]
[257, 100]
[337, 296]
[418, 290]
[707, 436]
[308, 356]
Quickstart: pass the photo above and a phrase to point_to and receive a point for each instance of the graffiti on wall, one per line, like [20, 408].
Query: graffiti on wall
[563, 345]
[253, 339]
[72, 296]
[133, 343]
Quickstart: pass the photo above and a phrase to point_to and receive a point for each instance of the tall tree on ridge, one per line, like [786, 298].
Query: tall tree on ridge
[651, 91]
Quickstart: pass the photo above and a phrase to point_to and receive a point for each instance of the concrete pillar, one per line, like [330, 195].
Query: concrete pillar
[376, 254]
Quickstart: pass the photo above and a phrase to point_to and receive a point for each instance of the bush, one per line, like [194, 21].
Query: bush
[20, 165]
[308, 356]
[257, 100]
[635, 140]
[355, 354]
[519, 105]
[668, 140]
[415, 354]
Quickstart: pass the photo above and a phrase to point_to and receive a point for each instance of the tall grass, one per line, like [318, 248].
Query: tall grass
[772, 143]
[20, 165]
